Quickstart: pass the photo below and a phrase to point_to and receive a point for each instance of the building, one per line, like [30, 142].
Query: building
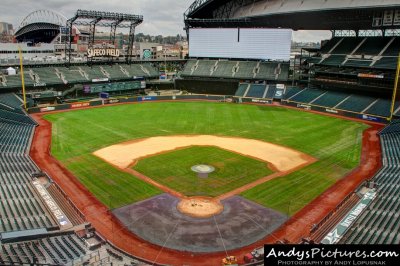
[6, 28]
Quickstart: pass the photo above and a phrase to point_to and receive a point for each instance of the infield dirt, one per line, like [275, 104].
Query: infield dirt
[280, 158]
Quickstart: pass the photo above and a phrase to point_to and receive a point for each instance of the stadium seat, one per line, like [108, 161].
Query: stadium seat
[256, 91]
[379, 223]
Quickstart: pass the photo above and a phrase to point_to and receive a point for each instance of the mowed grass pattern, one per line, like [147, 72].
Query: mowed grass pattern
[173, 169]
[336, 143]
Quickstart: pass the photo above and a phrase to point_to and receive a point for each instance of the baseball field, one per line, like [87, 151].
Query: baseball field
[334, 143]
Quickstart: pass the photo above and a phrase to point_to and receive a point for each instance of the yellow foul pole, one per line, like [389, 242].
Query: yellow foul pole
[396, 83]
[22, 75]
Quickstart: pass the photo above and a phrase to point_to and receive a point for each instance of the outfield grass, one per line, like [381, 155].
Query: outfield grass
[173, 169]
[336, 143]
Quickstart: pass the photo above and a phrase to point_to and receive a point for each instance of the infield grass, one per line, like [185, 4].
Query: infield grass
[173, 169]
[336, 143]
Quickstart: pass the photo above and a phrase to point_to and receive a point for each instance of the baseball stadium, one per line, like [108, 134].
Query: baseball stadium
[105, 162]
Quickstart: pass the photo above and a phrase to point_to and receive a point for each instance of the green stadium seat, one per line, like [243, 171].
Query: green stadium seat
[356, 103]
[224, 69]
[256, 91]
[242, 89]
[245, 70]
[334, 60]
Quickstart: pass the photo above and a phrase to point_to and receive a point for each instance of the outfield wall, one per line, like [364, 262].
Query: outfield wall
[76, 105]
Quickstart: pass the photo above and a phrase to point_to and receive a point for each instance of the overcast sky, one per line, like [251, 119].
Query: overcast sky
[163, 17]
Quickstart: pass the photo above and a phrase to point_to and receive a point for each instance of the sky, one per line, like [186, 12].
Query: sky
[161, 17]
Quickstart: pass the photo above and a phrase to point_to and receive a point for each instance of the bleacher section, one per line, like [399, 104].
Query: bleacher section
[334, 60]
[381, 108]
[250, 70]
[251, 90]
[245, 69]
[290, 92]
[64, 248]
[242, 89]
[307, 95]
[340, 101]
[387, 63]
[71, 75]
[380, 221]
[356, 103]
[393, 49]
[271, 90]
[93, 72]
[328, 46]
[330, 99]
[372, 46]
[47, 76]
[115, 72]
[78, 74]
[21, 208]
[224, 69]
[363, 52]
[347, 45]
[256, 91]
[11, 100]
[141, 70]
[189, 67]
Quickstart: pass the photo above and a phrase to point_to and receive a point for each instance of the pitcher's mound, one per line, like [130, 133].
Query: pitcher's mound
[200, 207]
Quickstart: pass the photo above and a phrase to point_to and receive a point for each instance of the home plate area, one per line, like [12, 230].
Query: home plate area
[159, 221]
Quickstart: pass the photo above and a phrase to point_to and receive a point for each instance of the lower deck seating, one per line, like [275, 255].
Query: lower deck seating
[381, 108]
[271, 90]
[20, 206]
[231, 69]
[334, 60]
[356, 103]
[307, 95]
[256, 91]
[55, 250]
[380, 221]
[386, 63]
[242, 89]
[341, 101]
[330, 99]
[290, 92]
[11, 100]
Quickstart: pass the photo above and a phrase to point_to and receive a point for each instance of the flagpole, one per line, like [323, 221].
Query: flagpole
[396, 83]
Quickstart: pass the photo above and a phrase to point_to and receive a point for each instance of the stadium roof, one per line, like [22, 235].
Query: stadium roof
[294, 14]
[40, 26]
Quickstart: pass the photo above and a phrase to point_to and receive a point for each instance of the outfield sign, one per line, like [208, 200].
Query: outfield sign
[102, 52]
[338, 232]
[370, 118]
[39, 84]
[260, 101]
[332, 111]
[100, 80]
[304, 106]
[79, 105]
[372, 76]
[47, 109]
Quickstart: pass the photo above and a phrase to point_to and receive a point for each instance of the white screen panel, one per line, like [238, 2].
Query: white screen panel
[266, 44]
